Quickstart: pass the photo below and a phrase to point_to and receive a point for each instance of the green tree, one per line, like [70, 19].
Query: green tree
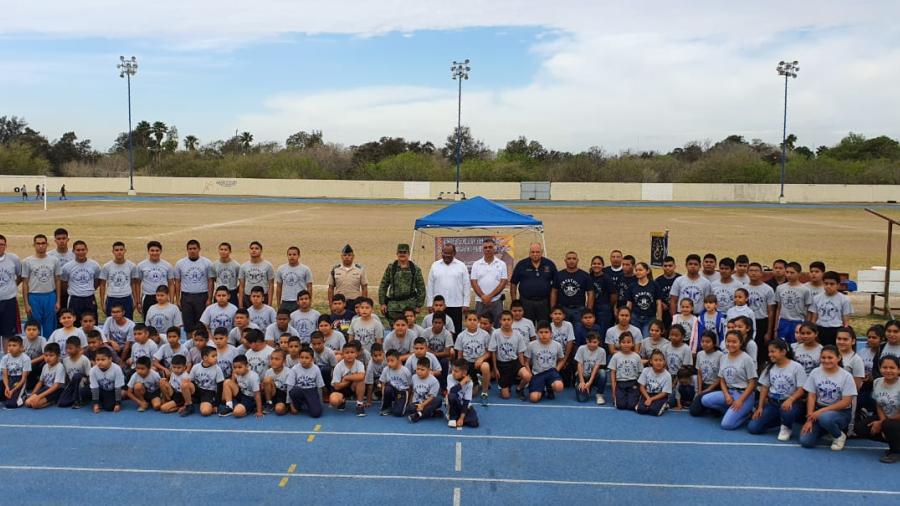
[523, 149]
[470, 147]
[246, 140]
[191, 142]
[304, 140]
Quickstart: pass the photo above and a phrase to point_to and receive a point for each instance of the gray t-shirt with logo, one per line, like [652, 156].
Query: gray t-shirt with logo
[194, 274]
[118, 277]
[81, 277]
[41, 273]
[293, 279]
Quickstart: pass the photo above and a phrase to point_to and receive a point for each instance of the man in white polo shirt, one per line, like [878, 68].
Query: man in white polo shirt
[489, 279]
[449, 278]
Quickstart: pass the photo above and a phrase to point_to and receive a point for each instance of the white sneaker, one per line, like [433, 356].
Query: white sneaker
[451, 424]
[600, 400]
[839, 442]
[785, 433]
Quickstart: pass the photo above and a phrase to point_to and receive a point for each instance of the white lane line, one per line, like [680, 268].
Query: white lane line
[458, 465]
[225, 223]
[430, 435]
[456, 496]
[624, 484]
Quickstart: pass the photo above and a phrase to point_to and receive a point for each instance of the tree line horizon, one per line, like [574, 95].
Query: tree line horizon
[160, 151]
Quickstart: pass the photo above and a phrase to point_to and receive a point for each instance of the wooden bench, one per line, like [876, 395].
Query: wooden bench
[871, 282]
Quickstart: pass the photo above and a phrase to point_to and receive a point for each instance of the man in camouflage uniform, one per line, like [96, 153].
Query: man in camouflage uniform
[402, 285]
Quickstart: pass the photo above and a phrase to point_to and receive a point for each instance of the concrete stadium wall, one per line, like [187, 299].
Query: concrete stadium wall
[661, 192]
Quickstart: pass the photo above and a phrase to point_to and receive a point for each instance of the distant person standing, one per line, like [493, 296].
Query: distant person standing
[489, 279]
[62, 253]
[62, 192]
[348, 279]
[24, 191]
[40, 274]
[532, 281]
[193, 280]
[449, 278]
[37, 192]
[402, 286]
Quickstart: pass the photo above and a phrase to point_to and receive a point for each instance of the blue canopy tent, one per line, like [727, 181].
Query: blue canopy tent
[477, 213]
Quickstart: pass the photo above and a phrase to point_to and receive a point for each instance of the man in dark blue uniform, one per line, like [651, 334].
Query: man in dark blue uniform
[532, 281]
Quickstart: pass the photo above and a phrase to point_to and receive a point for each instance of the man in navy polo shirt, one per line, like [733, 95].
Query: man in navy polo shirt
[572, 289]
[532, 281]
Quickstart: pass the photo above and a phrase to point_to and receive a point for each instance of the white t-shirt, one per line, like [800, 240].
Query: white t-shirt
[489, 275]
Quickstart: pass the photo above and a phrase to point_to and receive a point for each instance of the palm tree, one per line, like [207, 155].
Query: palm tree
[158, 130]
[191, 142]
[141, 134]
[246, 139]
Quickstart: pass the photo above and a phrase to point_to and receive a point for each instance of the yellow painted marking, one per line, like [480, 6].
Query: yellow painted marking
[284, 480]
[312, 437]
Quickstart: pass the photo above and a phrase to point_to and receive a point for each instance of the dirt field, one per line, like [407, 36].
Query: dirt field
[846, 239]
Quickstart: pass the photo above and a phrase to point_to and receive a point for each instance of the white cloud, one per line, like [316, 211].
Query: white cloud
[645, 75]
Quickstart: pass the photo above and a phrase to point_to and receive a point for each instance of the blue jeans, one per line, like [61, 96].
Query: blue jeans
[43, 309]
[643, 323]
[731, 419]
[604, 317]
[573, 314]
[599, 386]
[832, 422]
[773, 416]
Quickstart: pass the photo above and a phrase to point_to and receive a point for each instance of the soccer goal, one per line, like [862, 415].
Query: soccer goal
[27, 188]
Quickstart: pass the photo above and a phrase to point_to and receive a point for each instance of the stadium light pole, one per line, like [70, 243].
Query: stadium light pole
[128, 68]
[786, 69]
[460, 72]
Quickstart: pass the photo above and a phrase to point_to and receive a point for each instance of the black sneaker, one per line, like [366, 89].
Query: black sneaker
[268, 407]
[77, 405]
[225, 410]
[187, 410]
[384, 412]
[551, 394]
[360, 410]
[890, 458]
[342, 406]
[520, 393]
[438, 413]
[415, 417]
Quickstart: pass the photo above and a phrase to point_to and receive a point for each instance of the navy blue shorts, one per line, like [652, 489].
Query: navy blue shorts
[245, 400]
[201, 396]
[280, 397]
[541, 381]
[52, 398]
[509, 372]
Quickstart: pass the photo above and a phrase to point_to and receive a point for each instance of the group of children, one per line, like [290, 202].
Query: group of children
[261, 360]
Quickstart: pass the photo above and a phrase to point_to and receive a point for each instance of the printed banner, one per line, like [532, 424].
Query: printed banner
[468, 248]
[659, 248]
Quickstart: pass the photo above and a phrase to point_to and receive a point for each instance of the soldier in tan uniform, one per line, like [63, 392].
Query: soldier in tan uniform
[348, 279]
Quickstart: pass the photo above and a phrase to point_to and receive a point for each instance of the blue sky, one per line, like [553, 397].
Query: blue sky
[646, 75]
